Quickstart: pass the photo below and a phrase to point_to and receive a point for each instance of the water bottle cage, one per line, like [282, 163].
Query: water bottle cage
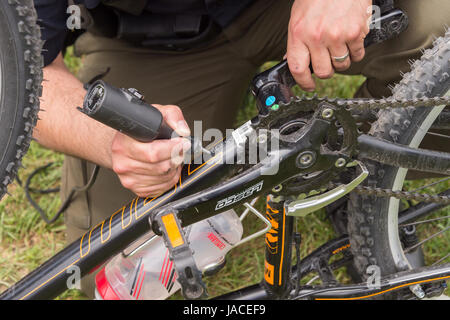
[189, 276]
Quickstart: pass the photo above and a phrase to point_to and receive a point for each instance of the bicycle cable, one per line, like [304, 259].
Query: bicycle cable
[66, 203]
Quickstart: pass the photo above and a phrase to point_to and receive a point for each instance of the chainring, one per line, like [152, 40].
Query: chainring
[291, 118]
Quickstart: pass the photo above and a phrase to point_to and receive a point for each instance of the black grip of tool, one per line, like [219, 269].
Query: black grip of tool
[126, 111]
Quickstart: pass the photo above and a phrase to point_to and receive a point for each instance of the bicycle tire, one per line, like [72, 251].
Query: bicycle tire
[21, 65]
[371, 219]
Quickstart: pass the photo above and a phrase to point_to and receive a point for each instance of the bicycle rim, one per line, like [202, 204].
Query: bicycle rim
[397, 251]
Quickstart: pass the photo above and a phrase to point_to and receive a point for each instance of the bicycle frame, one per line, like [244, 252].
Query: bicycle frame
[195, 198]
[131, 221]
[350, 292]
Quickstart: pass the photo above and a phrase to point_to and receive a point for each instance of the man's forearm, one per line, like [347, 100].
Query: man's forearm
[62, 127]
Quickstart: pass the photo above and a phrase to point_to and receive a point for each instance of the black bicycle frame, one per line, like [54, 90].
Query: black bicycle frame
[360, 291]
[131, 221]
[195, 197]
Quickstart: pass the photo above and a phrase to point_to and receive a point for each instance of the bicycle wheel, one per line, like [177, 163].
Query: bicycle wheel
[373, 226]
[20, 83]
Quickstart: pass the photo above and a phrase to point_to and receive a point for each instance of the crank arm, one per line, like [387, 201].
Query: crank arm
[259, 178]
[310, 263]
[301, 208]
[273, 86]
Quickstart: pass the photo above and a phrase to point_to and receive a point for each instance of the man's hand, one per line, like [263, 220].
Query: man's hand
[148, 169]
[322, 29]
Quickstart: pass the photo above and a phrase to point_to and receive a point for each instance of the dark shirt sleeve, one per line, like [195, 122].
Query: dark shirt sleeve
[52, 19]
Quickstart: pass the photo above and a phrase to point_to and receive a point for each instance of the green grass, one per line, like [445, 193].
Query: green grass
[26, 241]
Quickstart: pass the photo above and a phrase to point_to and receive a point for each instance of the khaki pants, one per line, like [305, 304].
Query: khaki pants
[210, 83]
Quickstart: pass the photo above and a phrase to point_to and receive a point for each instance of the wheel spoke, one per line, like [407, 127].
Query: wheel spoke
[431, 184]
[423, 214]
[423, 221]
[312, 280]
[442, 259]
[443, 121]
[425, 240]
[438, 135]
[420, 210]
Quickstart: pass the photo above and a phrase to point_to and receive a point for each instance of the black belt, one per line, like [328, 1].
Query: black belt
[168, 30]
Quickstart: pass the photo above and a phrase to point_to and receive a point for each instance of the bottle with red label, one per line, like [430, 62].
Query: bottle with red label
[146, 271]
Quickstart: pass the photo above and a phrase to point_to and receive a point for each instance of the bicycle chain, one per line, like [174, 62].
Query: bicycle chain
[402, 195]
[380, 104]
[386, 103]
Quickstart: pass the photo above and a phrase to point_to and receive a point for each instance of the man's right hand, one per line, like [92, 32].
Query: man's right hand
[149, 169]
[321, 31]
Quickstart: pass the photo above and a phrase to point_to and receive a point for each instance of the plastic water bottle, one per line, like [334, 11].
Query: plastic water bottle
[149, 274]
